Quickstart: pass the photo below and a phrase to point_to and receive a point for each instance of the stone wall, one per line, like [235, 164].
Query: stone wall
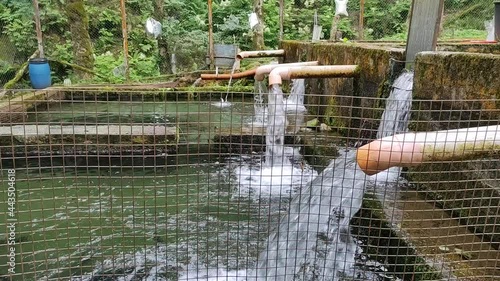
[343, 103]
[456, 90]
[451, 90]
[460, 90]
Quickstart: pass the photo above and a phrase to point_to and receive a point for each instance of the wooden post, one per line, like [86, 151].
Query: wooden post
[425, 23]
[361, 27]
[334, 28]
[210, 36]
[496, 22]
[125, 39]
[38, 28]
[282, 7]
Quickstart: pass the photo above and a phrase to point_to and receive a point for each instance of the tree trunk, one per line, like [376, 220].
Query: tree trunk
[258, 30]
[79, 28]
[163, 54]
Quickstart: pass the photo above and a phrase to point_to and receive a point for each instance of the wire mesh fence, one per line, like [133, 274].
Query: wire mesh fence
[148, 185]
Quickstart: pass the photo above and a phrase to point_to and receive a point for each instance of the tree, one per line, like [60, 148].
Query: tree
[164, 55]
[258, 30]
[79, 27]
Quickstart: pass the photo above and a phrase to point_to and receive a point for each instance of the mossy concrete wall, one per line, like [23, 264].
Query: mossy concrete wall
[455, 90]
[451, 90]
[343, 102]
[460, 90]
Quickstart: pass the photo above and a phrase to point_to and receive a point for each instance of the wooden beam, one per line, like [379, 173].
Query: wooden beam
[425, 23]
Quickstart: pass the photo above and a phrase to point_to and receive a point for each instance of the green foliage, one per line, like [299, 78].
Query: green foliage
[185, 27]
[383, 19]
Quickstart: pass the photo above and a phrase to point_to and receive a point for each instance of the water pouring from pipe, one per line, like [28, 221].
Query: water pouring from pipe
[313, 241]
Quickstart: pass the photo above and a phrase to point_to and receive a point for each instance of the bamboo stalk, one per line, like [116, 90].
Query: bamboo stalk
[411, 149]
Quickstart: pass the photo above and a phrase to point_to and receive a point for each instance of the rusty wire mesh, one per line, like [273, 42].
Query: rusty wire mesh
[170, 206]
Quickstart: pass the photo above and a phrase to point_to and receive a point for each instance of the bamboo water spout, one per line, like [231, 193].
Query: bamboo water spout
[263, 70]
[260, 54]
[227, 76]
[322, 71]
[412, 149]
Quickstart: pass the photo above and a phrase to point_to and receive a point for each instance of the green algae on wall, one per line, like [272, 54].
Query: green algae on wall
[340, 102]
[460, 87]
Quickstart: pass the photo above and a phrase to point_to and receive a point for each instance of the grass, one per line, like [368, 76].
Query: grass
[447, 34]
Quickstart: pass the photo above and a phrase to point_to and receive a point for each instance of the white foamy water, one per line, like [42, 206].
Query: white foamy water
[260, 110]
[277, 180]
[311, 242]
[295, 101]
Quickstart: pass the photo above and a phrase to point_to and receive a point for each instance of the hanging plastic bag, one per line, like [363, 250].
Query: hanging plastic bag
[341, 8]
[253, 20]
[153, 27]
[490, 29]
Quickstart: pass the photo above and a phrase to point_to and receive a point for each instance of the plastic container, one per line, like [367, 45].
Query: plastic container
[39, 71]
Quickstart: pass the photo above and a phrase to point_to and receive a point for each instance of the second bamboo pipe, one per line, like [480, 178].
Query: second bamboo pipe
[411, 149]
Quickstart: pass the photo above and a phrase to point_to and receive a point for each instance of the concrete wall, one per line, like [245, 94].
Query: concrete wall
[462, 88]
[344, 102]
[451, 90]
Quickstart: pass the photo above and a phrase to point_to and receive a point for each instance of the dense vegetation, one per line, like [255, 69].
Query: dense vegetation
[185, 30]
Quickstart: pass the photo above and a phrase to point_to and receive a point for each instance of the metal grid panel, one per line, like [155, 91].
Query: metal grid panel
[194, 204]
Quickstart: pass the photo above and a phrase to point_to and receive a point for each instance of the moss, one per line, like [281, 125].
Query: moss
[332, 115]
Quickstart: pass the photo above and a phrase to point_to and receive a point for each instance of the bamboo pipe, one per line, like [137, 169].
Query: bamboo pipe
[227, 76]
[263, 70]
[412, 149]
[260, 54]
[323, 71]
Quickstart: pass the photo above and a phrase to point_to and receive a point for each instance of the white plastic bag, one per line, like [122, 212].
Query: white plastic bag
[341, 8]
[490, 29]
[153, 27]
[253, 20]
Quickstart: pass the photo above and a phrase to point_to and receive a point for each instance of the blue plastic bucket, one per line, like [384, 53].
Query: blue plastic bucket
[39, 71]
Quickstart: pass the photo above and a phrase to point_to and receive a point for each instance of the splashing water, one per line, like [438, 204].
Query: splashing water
[275, 131]
[396, 117]
[313, 240]
[295, 101]
[223, 102]
[277, 175]
[397, 110]
[260, 115]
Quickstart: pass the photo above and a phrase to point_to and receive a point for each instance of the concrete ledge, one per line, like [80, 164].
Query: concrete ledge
[15, 109]
[22, 140]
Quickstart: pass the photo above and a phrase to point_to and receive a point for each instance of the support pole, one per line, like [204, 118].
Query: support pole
[210, 36]
[125, 39]
[361, 27]
[497, 20]
[282, 7]
[425, 23]
[38, 29]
